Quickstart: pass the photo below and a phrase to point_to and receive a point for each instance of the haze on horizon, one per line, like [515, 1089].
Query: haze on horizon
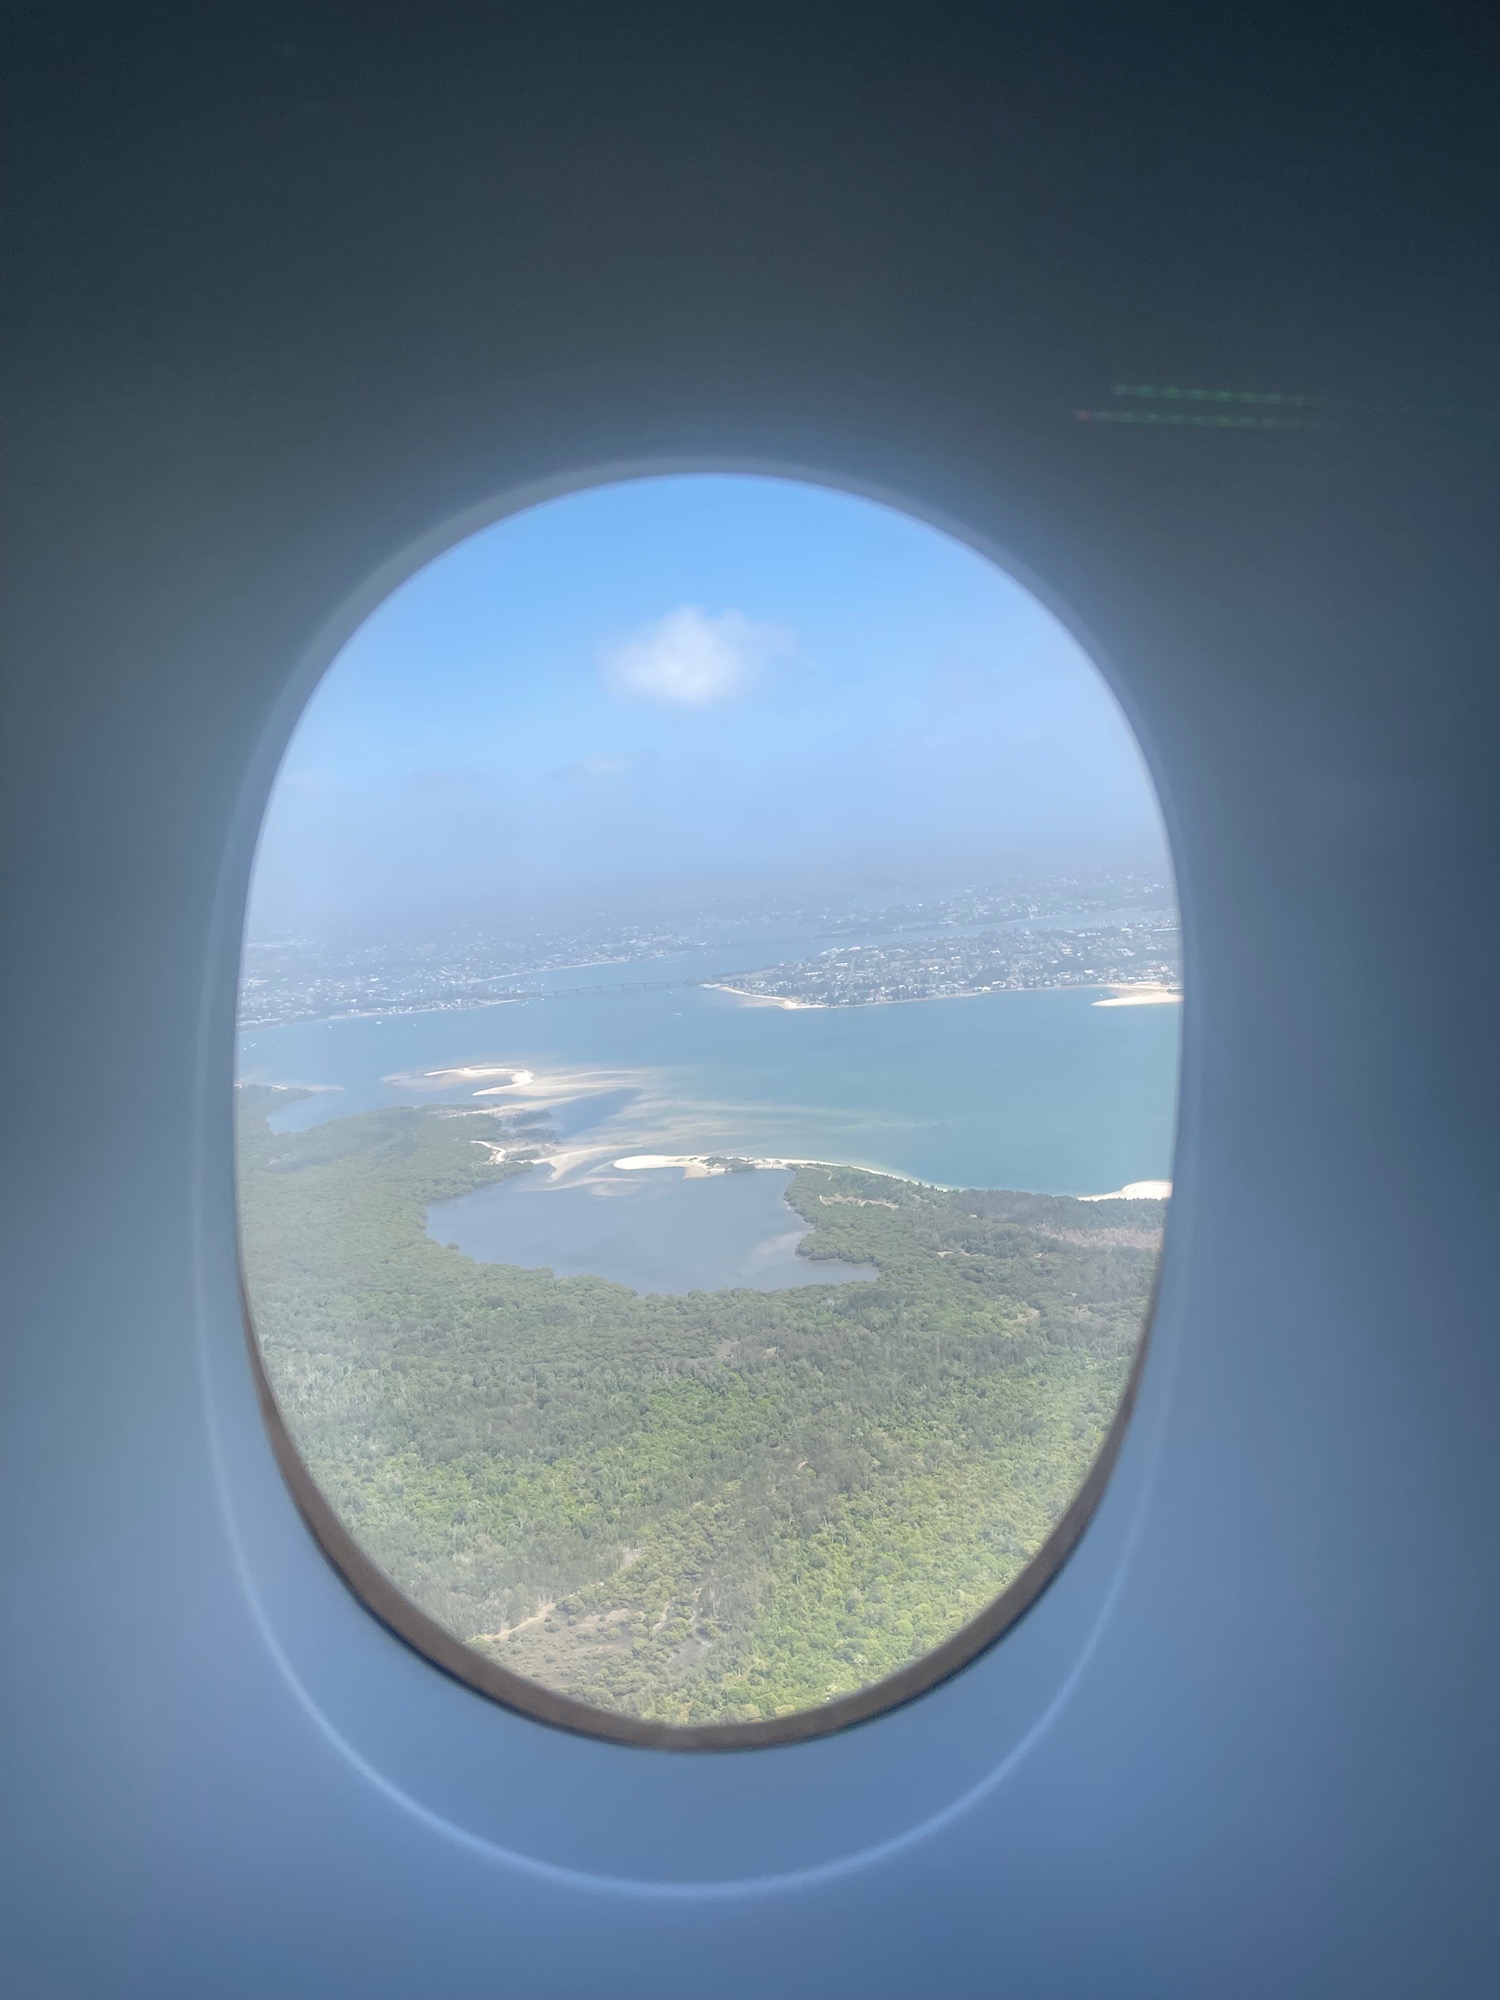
[690, 682]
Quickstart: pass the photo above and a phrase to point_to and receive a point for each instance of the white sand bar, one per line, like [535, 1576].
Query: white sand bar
[1134, 1191]
[466, 1072]
[1141, 996]
[694, 1166]
[761, 999]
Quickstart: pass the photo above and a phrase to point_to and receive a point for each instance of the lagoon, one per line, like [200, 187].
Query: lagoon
[655, 1231]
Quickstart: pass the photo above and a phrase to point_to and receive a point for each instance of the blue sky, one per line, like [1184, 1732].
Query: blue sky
[685, 680]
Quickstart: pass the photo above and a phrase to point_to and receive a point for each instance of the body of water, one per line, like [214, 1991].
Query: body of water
[1038, 1091]
[651, 1229]
[1044, 1092]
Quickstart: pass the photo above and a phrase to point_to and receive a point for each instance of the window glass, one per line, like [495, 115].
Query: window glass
[708, 1054]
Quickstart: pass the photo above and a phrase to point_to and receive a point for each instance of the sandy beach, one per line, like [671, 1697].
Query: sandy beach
[1141, 996]
[1134, 1191]
[695, 1165]
[1119, 996]
[759, 999]
[593, 1156]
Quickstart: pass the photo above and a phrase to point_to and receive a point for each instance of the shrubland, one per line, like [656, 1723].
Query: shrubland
[718, 1506]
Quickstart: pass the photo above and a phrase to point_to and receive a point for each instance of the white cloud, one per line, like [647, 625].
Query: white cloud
[689, 660]
[304, 784]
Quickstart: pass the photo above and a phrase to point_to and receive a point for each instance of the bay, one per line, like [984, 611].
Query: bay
[1044, 1092]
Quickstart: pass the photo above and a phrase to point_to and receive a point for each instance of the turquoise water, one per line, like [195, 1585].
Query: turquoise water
[1038, 1091]
[650, 1229]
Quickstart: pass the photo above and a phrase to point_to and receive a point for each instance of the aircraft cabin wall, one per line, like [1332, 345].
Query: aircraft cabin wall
[297, 289]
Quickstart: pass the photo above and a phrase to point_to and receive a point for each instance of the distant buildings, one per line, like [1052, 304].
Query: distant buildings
[1107, 929]
[996, 961]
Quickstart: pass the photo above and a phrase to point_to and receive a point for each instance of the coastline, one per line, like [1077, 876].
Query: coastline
[697, 1166]
[567, 1164]
[1144, 995]
[243, 1027]
[1133, 1191]
[644, 1114]
[590, 1154]
[761, 999]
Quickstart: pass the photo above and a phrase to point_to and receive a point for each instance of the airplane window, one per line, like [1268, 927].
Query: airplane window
[707, 1072]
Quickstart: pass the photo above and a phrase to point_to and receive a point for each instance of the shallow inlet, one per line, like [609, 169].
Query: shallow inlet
[651, 1229]
[1040, 1090]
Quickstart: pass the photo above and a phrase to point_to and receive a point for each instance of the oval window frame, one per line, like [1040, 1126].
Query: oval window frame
[371, 1588]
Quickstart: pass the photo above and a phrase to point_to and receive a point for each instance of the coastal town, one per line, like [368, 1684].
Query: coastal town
[1083, 928]
[315, 978]
[1142, 958]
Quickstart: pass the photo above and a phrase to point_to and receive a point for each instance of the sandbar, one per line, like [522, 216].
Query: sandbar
[760, 999]
[468, 1070]
[519, 1078]
[1140, 996]
[1134, 1191]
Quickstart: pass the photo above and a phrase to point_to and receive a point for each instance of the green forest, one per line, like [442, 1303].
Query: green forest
[716, 1507]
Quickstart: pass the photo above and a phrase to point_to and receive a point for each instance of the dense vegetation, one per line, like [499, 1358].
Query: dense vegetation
[725, 1505]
